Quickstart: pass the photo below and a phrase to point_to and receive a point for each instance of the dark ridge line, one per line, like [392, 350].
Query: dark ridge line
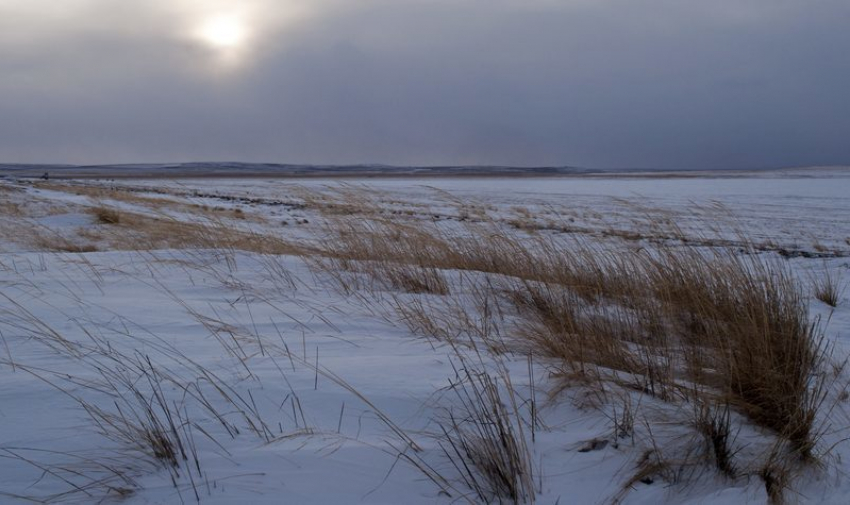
[280, 170]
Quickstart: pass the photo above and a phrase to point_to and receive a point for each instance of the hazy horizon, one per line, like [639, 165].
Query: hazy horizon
[603, 84]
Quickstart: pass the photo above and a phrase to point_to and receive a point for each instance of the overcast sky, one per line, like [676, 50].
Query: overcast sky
[596, 83]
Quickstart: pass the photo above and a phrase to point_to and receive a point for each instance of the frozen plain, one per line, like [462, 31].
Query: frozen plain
[287, 346]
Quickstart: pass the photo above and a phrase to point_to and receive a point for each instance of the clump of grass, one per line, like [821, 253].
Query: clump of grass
[650, 466]
[828, 287]
[658, 320]
[623, 420]
[411, 279]
[714, 424]
[741, 321]
[147, 421]
[777, 474]
[483, 439]
[106, 215]
[746, 322]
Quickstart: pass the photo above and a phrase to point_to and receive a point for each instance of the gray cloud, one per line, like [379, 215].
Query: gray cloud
[664, 83]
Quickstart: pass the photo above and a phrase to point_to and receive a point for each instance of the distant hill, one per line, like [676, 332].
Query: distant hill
[239, 169]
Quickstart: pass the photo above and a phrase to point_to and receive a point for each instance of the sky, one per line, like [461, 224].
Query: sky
[591, 83]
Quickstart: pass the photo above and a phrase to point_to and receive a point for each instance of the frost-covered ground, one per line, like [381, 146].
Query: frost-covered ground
[803, 211]
[284, 388]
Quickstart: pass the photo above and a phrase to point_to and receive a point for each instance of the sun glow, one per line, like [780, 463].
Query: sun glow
[223, 32]
[226, 37]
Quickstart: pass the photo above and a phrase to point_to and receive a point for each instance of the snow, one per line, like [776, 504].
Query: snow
[324, 440]
[794, 209]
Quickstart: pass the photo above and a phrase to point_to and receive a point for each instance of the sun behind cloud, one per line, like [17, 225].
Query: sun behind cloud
[229, 37]
[223, 32]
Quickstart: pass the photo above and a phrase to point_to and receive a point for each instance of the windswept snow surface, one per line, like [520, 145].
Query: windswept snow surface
[797, 210]
[293, 391]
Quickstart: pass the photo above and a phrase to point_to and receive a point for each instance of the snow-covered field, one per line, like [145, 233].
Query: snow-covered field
[195, 310]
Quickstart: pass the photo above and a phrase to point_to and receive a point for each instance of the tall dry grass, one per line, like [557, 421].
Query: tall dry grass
[829, 287]
[725, 331]
[142, 393]
[484, 438]
[132, 231]
[681, 323]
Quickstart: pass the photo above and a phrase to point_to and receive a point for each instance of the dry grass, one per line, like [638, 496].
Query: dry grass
[106, 215]
[17, 204]
[44, 238]
[130, 231]
[10, 209]
[724, 333]
[658, 320]
[777, 475]
[745, 331]
[125, 195]
[141, 232]
[152, 200]
[714, 423]
[483, 437]
[829, 287]
[140, 225]
[140, 401]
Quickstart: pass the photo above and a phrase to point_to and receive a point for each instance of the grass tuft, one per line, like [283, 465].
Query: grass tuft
[484, 440]
[106, 215]
[725, 330]
[714, 424]
[829, 287]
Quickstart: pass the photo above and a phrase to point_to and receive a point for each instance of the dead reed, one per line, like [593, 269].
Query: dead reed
[658, 320]
[828, 287]
[722, 330]
[483, 438]
[106, 215]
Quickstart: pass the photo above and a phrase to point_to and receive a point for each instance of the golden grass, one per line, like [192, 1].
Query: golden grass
[662, 317]
[485, 441]
[140, 232]
[683, 319]
[11, 209]
[708, 326]
[724, 334]
[142, 225]
[21, 205]
[130, 231]
[146, 201]
[106, 215]
[127, 195]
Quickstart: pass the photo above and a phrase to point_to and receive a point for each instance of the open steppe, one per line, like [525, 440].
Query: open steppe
[616, 339]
